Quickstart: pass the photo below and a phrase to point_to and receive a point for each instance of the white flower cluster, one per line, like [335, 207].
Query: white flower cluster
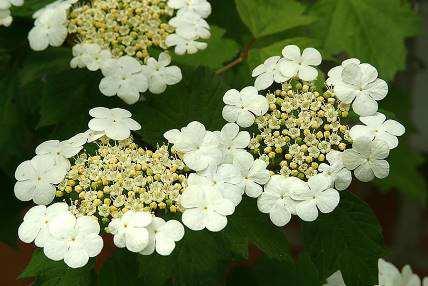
[5, 15]
[121, 65]
[389, 275]
[292, 101]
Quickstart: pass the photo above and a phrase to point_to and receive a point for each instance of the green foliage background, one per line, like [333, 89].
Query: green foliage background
[42, 98]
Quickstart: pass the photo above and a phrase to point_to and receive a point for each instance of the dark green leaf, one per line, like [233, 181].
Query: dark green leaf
[121, 267]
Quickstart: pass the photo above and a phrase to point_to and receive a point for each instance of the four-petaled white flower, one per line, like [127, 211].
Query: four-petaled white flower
[340, 176]
[159, 74]
[200, 148]
[190, 25]
[268, 73]
[390, 275]
[360, 86]
[242, 107]
[300, 64]
[319, 196]
[36, 220]
[205, 207]
[130, 230]
[335, 279]
[367, 159]
[184, 45]
[116, 123]
[253, 172]
[200, 7]
[163, 236]
[233, 142]
[91, 56]
[36, 179]
[123, 77]
[277, 198]
[377, 127]
[73, 239]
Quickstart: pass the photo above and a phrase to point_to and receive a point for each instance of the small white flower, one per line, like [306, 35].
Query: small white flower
[377, 127]
[340, 176]
[277, 198]
[36, 220]
[254, 173]
[205, 207]
[163, 236]
[6, 4]
[115, 123]
[159, 74]
[367, 159]
[199, 146]
[130, 230]
[91, 56]
[190, 25]
[390, 275]
[268, 73]
[300, 64]
[242, 107]
[233, 142]
[360, 86]
[184, 45]
[123, 77]
[319, 196]
[5, 17]
[36, 179]
[335, 279]
[74, 240]
[200, 7]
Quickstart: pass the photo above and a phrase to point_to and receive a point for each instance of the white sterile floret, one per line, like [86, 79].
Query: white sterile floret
[115, 123]
[340, 177]
[200, 148]
[277, 198]
[200, 7]
[268, 73]
[5, 18]
[377, 127]
[123, 77]
[360, 86]
[242, 106]
[300, 64]
[36, 220]
[159, 74]
[232, 141]
[190, 25]
[91, 56]
[36, 179]
[390, 275]
[184, 45]
[163, 236]
[205, 207]
[73, 239]
[367, 159]
[335, 279]
[319, 196]
[130, 230]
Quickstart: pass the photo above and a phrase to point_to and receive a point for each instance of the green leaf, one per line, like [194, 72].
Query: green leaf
[373, 31]
[156, 270]
[267, 17]
[121, 267]
[56, 273]
[198, 97]
[220, 50]
[349, 239]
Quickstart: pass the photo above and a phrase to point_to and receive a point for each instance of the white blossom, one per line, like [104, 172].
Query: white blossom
[200, 7]
[91, 56]
[163, 236]
[159, 74]
[5, 17]
[131, 231]
[123, 77]
[190, 25]
[300, 64]
[390, 275]
[268, 73]
[367, 159]
[242, 106]
[340, 176]
[73, 239]
[377, 127]
[232, 141]
[36, 179]
[184, 45]
[115, 123]
[335, 279]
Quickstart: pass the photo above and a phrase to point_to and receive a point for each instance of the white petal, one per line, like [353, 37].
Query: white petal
[230, 113]
[291, 52]
[136, 239]
[359, 131]
[245, 118]
[279, 214]
[28, 231]
[343, 179]
[328, 200]
[307, 210]
[308, 73]
[172, 229]
[215, 222]
[266, 201]
[311, 56]
[378, 89]
[252, 189]
[369, 73]
[289, 69]
[380, 168]
[364, 173]
[55, 249]
[318, 183]
[352, 159]
[379, 149]
[345, 93]
[194, 219]
[389, 139]
[24, 191]
[93, 244]
[38, 39]
[232, 97]
[109, 86]
[264, 81]
[44, 194]
[164, 245]
[364, 105]
[76, 258]
[86, 225]
[393, 127]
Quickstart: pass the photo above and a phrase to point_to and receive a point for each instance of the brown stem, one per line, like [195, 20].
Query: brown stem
[242, 57]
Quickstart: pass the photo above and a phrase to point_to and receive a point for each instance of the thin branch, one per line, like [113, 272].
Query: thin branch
[242, 57]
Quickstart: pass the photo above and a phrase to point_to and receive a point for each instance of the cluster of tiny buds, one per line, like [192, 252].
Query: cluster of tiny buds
[300, 128]
[123, 26]
[121, 177]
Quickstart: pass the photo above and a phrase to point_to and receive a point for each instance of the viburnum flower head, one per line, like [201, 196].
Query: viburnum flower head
[91, 56]
[242, 106]
[73, 239]
[115, 123]
[200, 7]
[377, 127]
[268, 73]
[301, 65]
[339, 176]
[233, 142]
[162, 236]
[367, 159]
[36, 179]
